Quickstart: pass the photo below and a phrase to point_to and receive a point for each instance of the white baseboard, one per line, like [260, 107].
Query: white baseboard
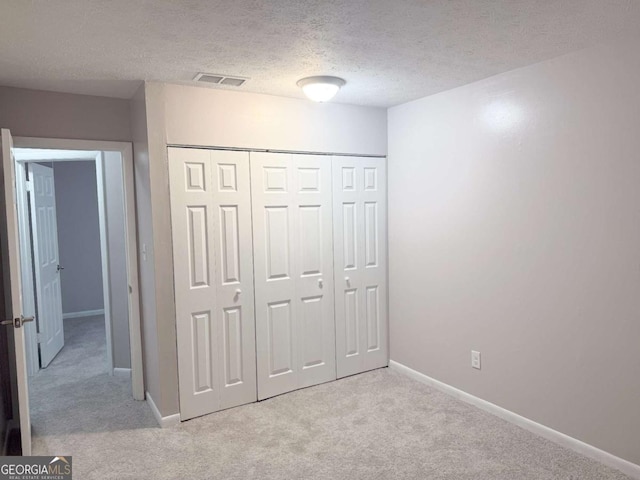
[122, 372]
[85, 313]
[566, 441]
[164, 422]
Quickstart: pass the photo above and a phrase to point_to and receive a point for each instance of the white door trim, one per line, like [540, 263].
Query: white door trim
[104, 257]
[126, 150]
[164, 422]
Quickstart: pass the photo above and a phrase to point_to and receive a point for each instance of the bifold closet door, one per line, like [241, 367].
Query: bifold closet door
[360, 250]
[213, 265]
[292, 223]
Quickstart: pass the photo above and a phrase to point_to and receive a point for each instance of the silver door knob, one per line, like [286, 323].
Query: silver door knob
[59, 267]
[347, 279]
[320, 282]
[238, 291]
[18, 322]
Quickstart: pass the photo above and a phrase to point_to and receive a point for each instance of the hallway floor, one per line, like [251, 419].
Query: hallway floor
[75, 395]
[377, 425]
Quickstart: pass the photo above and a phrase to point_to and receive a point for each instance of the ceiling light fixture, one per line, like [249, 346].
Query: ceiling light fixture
[321, 88]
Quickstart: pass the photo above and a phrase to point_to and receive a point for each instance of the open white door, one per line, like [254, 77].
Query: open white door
[46, 261]
[12, 316]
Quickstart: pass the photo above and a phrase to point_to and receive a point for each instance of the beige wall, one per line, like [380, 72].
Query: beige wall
[207, 117]
[145, 244]
[514, 220]
[161, 255]
[36, 113]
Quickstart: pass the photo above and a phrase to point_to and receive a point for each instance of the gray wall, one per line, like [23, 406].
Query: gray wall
[35, 113]
[514, 229]
[117, 248]
[78, 236]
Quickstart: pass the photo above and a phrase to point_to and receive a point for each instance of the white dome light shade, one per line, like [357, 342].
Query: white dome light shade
[320, 88]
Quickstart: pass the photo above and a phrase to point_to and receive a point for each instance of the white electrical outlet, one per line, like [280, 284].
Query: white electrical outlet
[475, 359]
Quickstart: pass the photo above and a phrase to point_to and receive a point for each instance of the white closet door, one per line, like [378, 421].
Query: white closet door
[360, 254]
[211, 228]
[313, 220]
[292, 223]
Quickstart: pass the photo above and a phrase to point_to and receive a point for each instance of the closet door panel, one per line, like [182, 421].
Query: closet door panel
[192, 216]
[274, 266]
[314, 282]
[234, 283]
[213, 273]
[359, 196]
[291, 197]
[374, 337]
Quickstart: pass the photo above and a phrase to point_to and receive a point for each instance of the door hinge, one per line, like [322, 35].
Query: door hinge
[29, 184]
[38, 337]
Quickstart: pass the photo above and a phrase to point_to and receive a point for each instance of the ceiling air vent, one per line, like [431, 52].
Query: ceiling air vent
[216, 79]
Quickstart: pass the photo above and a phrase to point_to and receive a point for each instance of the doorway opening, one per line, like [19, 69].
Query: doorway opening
[76, 219]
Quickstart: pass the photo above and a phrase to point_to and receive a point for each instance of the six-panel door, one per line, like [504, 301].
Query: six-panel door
[360, 250]
[46, 261]
[213, 270]
[292, 240]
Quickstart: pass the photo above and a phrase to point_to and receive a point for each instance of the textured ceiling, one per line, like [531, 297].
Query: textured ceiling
[389, 51]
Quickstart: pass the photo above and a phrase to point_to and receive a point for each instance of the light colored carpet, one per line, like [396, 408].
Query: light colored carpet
[75, 395]
[377, 425]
